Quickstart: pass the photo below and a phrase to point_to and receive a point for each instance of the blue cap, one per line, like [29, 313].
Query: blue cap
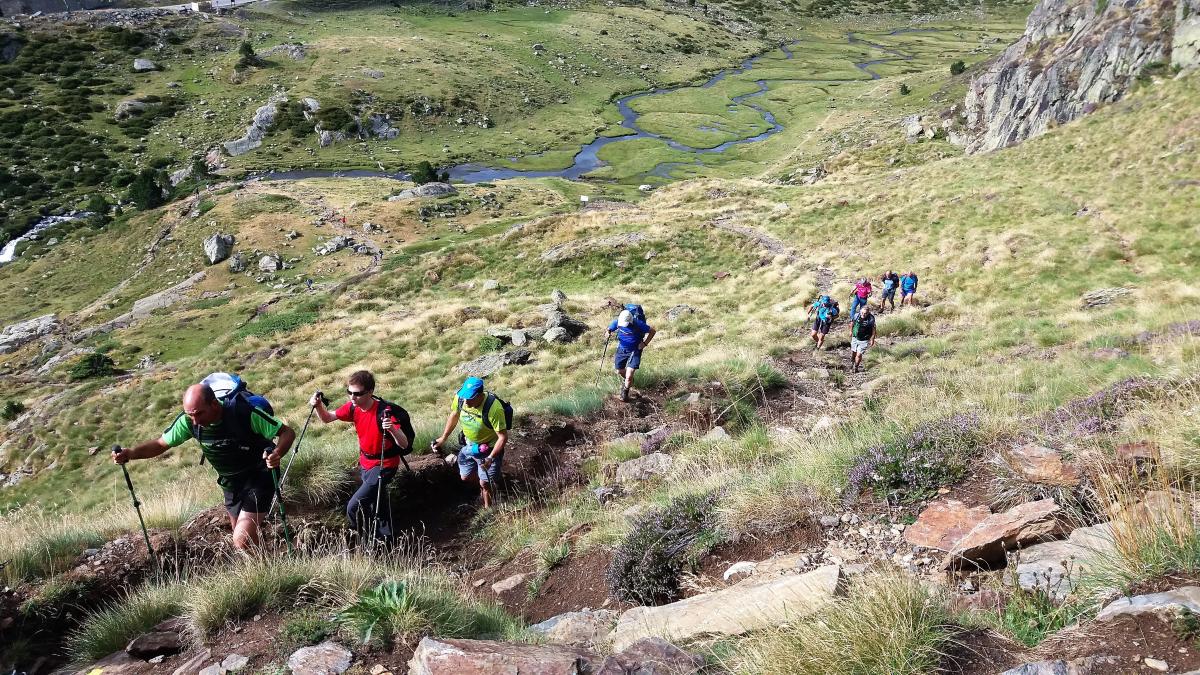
[470, 388]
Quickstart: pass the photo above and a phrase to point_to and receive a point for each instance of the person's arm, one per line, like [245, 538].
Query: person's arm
[874, 331]
[451, 422]
[649, 336]
[282, 443]
[395, 431]
[323, 413]
[145, 450]
[498, 446]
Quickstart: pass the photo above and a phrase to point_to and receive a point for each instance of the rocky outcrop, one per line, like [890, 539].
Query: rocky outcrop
[1167, 604]
[584, 628]
[753, 604]
[1056, 566]
[130, 107]
[487, 657]
[13, 337]
[379, 126]
[145, 307]
[1185, 47]
[217, 247]
[977, 537]
[426, 190]
[327, 658]
[1074, 56]
[264, 119]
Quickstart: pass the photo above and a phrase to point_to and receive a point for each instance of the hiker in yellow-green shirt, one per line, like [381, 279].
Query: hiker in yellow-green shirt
[486, 420]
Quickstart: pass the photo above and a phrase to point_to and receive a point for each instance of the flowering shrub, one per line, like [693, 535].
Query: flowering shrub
[916, 464]
[1098, 413]
[646, 566]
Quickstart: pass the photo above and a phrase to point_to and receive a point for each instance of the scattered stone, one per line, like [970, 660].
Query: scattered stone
[144, 66]
[217, 247]
[327, 658]
[556, 334]
[237, 263]
[717, 435]
[484, 366]
[750, 605]
[586, 628]
[1165, 604]
[506, 585]
[234, 663]
[270, 263]
[212, 669]
[678, 311]
[644, 468]
[333, 245]
[1156, 664]
[487, 657]
[1102, 297]
[192, 665]
[519, 338]
[1039, 464]
[828, 522]
[158, 643]
[739, 568]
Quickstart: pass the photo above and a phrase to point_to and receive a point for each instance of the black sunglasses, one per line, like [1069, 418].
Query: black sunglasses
[357, 393]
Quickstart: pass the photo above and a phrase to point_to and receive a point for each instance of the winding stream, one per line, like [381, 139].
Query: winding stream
[586, 159]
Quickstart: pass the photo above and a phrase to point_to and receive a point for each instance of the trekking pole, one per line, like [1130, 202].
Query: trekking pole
[387, 412]
[287, 534]
[137, 506]
[603, 354]
[293, 453]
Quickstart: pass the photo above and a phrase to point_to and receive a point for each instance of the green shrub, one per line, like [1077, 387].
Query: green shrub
[647, 564]
[93, 365]
[424, 173]
[1029, 616]
[958, 68]
[306, 628]
[111, 628]
[904, 90]
[916, 464]
[11, 410]
[490, 343]
[276, 323]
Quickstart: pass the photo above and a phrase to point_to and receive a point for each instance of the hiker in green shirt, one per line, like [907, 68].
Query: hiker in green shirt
[486, 420]
[237, 440]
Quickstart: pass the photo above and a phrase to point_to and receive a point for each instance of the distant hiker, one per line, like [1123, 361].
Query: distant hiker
[890, 281]
[633, 335]
[858, 299]
[908, 289]
[862, 336]
[385, 434]
[486, 420]
[236, 437]
[823, 311]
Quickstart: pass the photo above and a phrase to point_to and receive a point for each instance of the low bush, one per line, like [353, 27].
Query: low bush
[958, 68]
[914, 465]
[647, 565]
[281, 322]
[11, 410]
[93, 365]
[490, 343]
[306, 628]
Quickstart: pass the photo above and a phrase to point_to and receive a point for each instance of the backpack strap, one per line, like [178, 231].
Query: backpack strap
[487, 406]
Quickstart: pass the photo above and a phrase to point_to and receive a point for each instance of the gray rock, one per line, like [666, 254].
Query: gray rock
[217, 247]
[644, 468]
[490, 285]
[327, 658]
[237, 263]
[830, 521]
[373, 74]
[1102, 297]
[558, 297]
[211, 669]
[1073, 57]
[1166, 604]
[584, 628]
[484, 366]
[326, 138]
[193, 664]
[508, 584]
[379, 126]
[607, 493]
[426, 190]
[651, 656]
[717, 434]
[129, 108]
[235, 662]
[1090, 665]
[556, 334]
[487, 657]
[158, 643]
[333, 245]
[517, 357]
[1185, 47]
[264, 119]
[678, 311]
[144, 65]
[1056, 566]
[519, 338]
[18, 334]
[270, 263]
[294, 51]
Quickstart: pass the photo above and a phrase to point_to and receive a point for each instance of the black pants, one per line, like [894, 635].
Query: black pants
[361, 509]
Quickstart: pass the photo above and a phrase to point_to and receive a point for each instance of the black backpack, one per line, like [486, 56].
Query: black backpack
[237, 410]
[402, 418]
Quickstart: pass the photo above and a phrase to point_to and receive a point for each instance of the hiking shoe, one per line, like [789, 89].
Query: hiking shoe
[625, 394]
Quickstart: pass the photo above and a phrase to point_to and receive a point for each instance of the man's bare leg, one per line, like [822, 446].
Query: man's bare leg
[245, 530]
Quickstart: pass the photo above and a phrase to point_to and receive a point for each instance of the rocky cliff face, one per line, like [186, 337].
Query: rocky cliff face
[1074, 56]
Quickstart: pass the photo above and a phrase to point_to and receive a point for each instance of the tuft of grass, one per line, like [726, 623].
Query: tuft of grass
[110, 628]
[1030, 616]
[281, 322]
[889, 623]
[306, 627]
[576, 403]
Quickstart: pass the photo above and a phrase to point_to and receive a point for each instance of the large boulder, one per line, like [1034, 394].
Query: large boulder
[157, 643]
[750, 605]
[327, 658]
[217, 247]
[270, 263]
[1088, 665]
[584, 628]
[1074, 56]
[1167, 604]
[1056, 566]
[644, 468]
[130, 107]
[483, 366]
[486, 657]
[144, 66]
[18, 334]
[944, 523]
[651, 656]
[989, 541]
[426, 190]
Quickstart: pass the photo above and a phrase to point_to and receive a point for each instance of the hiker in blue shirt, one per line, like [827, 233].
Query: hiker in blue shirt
[633, 335]
[908, 289]
[825, 310]
[890, 282]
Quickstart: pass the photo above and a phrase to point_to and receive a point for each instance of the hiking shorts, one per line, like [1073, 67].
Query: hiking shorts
[821, 326]
[905, 292]
[889, 294]
[468, 462]
[251, 492]
[859, 346]
[631, 358]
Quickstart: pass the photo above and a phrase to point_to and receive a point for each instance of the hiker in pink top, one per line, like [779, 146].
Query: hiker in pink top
[858, 300]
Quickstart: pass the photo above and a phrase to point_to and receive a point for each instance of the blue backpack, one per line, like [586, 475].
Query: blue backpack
[636, 311]
[229, 387]
[240, 404]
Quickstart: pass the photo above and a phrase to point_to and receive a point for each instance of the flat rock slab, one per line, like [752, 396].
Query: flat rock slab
[644, 468]
[584, 628]
[1022, 525]
[1056, 566]
[327, 658]
[1039, 464]
[485, 657]
[1165, 603]
[158, 643]
[1089, 665]
[943, 524]
[752, 604]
